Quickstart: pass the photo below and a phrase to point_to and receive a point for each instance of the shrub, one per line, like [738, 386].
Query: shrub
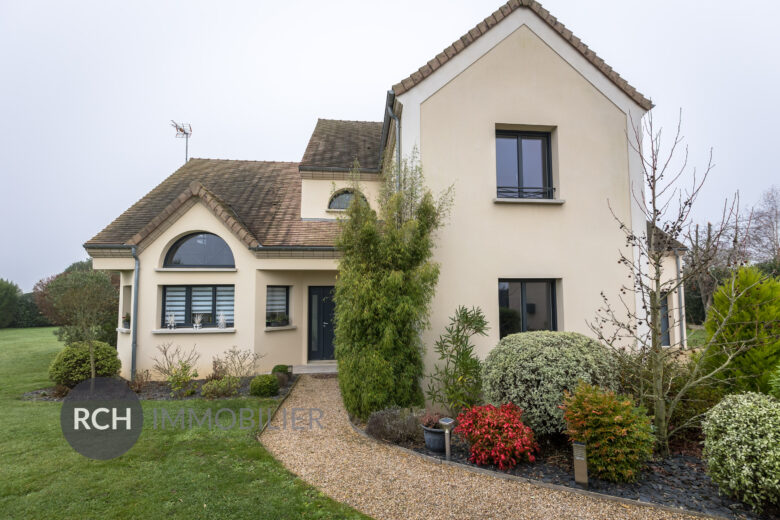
[497, 435]
[171, 358]
[774, 382]
[430, 419]
[265, 385]
[617, 434]
[396, 425]
[457, 383]
[226, 387]
[742, 448]
[532, 370]
[180, 379]
[217, 369]
[142, 377]
[241, 363]
[281, 377]
[281, 368]
[386, 281]
[72, 365]
[85, 303]
[753, 326]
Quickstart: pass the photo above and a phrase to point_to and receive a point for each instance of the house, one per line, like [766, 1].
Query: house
[529, 125]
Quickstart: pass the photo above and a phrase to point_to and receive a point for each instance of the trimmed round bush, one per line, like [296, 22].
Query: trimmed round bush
[742, 448]
[72, 366]
[265, 385]
[284, 369]
[533, 369]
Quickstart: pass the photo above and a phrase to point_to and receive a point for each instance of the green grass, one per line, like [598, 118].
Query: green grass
[696, 337]
[198, 473]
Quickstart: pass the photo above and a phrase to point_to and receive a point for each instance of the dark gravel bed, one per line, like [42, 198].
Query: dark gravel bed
[678, 481]
[159, 391]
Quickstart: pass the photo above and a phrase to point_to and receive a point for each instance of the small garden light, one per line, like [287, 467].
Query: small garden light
[447, 424]
[580, 464]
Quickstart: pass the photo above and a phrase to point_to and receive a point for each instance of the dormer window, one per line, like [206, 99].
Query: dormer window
[342, 199]
[199, 250]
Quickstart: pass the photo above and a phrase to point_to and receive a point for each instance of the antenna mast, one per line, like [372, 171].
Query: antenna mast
[183, 130]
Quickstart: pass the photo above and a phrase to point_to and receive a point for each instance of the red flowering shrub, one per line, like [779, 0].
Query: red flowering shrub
[497, 435]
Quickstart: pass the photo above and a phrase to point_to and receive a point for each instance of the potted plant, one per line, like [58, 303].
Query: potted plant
[278, 319]
[126, 321]
[434, 436]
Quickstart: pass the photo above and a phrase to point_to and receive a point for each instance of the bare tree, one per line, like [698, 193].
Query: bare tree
[632, 324]
[765, 237]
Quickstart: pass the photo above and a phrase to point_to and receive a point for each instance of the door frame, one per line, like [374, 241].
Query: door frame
[309, 324]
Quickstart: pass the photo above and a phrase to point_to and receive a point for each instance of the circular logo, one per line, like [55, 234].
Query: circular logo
[101, 418]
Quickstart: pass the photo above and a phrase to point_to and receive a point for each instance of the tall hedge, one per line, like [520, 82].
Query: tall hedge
[9, 299]
[533, 369]
[385, 285]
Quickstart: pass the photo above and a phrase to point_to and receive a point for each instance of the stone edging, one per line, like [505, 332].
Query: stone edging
[278, 406]
[547, 485]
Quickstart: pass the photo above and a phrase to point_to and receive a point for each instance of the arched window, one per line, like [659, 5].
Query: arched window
[342, 199]
[199, 250]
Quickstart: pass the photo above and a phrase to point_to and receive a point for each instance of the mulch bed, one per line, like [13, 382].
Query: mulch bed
[159, 391]
[678, 481]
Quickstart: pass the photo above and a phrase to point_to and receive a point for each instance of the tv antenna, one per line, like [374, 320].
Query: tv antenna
[183, 130]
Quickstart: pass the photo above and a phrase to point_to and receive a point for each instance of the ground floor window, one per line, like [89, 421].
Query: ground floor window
[526, 305]
[277, 306]
[188, 305]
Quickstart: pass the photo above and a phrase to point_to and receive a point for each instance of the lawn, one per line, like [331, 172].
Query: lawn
[198, 473]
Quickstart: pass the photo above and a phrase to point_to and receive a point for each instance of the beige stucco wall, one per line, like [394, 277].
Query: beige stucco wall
[316, 193]
[576, 242]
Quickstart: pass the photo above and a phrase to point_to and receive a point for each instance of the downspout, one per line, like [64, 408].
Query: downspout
[397, 146]
[134, 328]
[681, 310]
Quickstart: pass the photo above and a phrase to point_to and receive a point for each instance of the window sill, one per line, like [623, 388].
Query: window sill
[195, 269]
[210, 330]
[122, 330]
[554, 202]
[329, 210]
[283, 327]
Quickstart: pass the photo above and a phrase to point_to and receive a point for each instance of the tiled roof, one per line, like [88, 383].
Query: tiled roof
[258, 201]
[491, 21]
[334, 145]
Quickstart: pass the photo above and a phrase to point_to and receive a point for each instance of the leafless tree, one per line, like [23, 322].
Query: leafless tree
[764, 244]
[663, 375]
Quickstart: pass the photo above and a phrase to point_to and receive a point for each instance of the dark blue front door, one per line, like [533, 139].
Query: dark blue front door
[321, 312]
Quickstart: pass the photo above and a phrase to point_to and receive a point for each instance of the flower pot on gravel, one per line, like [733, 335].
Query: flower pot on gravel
[434, 439]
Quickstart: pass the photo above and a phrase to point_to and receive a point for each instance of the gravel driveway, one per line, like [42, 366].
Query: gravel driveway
[386, 482]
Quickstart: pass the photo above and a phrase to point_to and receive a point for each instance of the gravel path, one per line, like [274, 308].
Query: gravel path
[386, 482]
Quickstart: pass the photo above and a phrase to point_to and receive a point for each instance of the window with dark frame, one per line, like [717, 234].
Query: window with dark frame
[523, 165]
[343, 199]
[199, 250]
[185, 302]
[526, 305]
[666, 340]
[277, 306]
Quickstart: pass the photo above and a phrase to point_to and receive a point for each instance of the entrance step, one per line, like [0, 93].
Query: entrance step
[316, 368]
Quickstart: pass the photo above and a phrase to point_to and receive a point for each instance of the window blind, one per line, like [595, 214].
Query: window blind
[225, 298]
[176, 303]
[276, 300]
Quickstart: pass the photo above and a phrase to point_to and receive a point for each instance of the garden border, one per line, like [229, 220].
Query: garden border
[547, 485]
[279, 405]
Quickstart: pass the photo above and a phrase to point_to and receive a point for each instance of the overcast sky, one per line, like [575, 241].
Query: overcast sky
[87, 90]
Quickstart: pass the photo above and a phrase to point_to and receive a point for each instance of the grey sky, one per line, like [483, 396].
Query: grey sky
[87, 90]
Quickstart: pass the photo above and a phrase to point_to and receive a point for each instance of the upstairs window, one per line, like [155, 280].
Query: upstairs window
[343, 199]
[523, 165]
[526, 305]
[199, 250]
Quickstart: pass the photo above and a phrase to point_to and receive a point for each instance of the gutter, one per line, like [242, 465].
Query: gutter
[292, 248]
[134, 323]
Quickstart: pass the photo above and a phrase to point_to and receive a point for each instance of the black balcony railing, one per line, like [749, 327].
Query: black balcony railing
[515, 192]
